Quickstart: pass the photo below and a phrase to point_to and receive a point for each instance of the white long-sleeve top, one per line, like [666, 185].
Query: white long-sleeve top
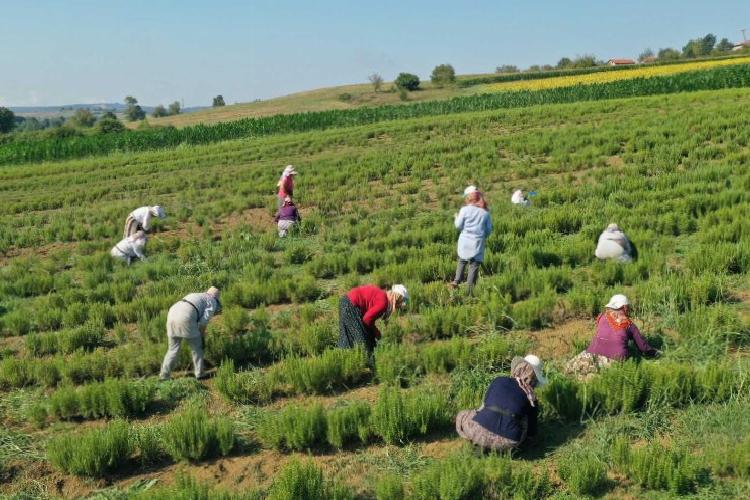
[143, 215]
[475, 225]
[519, 199]
[130, 248]
[205, 304]
[614, 245]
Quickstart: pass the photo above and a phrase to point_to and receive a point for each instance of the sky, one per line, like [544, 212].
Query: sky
[55, 52]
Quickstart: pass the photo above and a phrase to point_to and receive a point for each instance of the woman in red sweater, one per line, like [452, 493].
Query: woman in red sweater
[359, 309]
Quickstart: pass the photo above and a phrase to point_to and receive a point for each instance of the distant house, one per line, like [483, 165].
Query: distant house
[649, 59]
[620, 62]
[741, 45]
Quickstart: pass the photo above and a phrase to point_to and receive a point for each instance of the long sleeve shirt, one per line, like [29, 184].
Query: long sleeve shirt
[205, 305]
[130, 248]
[372, 303]
[613, 245]
[286, 186]
[613, 342]
[505, 406]
[288, 212]
[475, 225]
[143, 215]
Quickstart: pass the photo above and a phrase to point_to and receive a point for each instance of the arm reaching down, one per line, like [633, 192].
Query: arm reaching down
[640, 342]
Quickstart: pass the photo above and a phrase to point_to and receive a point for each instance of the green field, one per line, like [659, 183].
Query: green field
[83, 337]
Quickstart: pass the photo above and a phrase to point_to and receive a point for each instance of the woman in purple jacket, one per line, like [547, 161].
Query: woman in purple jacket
[614, 331]
[287, 216]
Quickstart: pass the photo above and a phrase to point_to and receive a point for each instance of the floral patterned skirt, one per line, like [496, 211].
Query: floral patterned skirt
[586, 364]
[467, 428]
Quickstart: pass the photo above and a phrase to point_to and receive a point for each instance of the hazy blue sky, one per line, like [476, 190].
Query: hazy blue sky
[72, 51]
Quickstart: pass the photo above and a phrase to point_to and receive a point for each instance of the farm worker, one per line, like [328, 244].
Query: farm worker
[510, 408]
[614, 331]
[187, 319]
[359, 309]
[286, 184]
[287, 216]
[140, 218]
[613, 244]
[130, 247]
[519, 198]
[475, 224]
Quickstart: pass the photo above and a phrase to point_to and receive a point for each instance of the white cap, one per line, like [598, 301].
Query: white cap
[535, 363]
[158, 211]
[618, 302]
[470, 190]
[401, 290]
[289, 170]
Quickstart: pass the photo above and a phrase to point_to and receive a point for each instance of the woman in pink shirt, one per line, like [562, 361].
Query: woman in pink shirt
[614, 331]
[286, 185]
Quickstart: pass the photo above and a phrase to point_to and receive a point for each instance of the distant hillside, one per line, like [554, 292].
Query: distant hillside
[69, 109]
[342, 97]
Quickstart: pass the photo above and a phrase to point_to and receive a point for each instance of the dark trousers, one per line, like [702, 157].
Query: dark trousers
[352, 330]
[471, 279]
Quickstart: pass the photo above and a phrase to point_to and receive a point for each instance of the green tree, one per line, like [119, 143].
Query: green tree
[376, 80]
[646, 54]
[668, 54]
[564, 62]
[109, 124]
[707, 43]
[218, 101]
[508, 68]
[83, 118]
[724, 45]
[407, 81]
[443, 74]
[585, 61]
[133, 111]
[159, 111]
[7, 120]
[174, 108]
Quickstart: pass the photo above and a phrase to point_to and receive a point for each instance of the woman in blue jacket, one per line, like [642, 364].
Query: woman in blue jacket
[510, 409]
[475, 224]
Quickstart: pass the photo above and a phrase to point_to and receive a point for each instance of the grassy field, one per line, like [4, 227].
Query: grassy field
[287, 416]
[360, 95]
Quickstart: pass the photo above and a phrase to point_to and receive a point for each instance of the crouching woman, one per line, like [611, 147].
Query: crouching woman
[510, 409]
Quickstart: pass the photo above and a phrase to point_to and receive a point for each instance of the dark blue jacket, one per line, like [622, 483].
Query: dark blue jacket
[504, 393]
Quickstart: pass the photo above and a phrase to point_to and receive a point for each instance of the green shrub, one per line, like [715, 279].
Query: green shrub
[655, 468]
[583, 472]
[93, 453]
[395, 363]
[407, 81]
[243, 387]
[454, 478]
[334, 368]
[192, 435]
[294, 427]
[389, 418]
[389, 487]
[147, 441]
[305, 481]
[111, 398]
[348, 423]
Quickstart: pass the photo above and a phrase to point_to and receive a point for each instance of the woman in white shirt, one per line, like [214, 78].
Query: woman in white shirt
[130, 248]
